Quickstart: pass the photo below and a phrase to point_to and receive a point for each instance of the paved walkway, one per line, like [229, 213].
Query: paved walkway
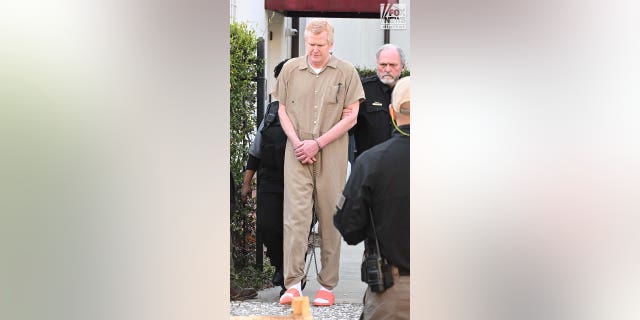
[349, 291]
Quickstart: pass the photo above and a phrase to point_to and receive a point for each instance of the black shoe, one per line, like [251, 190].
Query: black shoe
[282, 291]
[238, 293]
[278, 279]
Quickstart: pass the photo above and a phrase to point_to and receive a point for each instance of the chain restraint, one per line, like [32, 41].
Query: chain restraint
[314, 219]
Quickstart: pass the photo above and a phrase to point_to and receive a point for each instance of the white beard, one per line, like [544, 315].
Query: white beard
[387, 80]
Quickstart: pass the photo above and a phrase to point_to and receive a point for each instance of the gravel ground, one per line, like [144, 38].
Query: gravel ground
[348, 293]
[339, 311]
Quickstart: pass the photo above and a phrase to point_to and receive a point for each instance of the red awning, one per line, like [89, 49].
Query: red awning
[328, 8]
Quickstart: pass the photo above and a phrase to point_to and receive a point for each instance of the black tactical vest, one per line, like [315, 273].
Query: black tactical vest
[274, 142]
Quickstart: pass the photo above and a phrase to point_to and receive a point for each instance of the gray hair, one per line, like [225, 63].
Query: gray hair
[403, 59]
[317, 26]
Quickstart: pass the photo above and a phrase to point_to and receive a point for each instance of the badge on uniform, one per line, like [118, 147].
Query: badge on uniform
[378, 104]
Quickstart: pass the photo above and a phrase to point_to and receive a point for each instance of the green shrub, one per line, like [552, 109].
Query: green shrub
[244, 67]
[365, 72]
[252, 277]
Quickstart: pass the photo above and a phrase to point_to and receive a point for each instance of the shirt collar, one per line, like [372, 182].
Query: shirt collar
[302, 63]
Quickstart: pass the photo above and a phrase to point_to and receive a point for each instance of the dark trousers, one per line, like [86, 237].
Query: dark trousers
[269, 223]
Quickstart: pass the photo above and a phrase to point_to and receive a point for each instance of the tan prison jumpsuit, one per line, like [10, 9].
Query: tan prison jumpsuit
[314, 104]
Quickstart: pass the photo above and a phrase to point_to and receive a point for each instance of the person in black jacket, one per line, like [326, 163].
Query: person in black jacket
[266, 156]
[374, 124]
[375, 207]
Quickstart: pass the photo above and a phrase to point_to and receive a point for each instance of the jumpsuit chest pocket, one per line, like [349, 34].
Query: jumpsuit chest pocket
[334, 95]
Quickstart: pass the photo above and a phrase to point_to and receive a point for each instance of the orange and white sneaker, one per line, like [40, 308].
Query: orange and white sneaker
[324, 297]
[288, 295]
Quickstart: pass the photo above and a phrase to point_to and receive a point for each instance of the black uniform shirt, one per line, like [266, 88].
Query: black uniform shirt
[379, 182]
[266, 155]
[374, 123]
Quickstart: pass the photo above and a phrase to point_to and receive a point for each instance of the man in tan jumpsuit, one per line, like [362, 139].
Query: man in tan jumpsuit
[313, 90]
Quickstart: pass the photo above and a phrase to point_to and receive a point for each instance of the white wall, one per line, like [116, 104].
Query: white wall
[279, 47]
[252, 12]
[402, 38]
[356, 40]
